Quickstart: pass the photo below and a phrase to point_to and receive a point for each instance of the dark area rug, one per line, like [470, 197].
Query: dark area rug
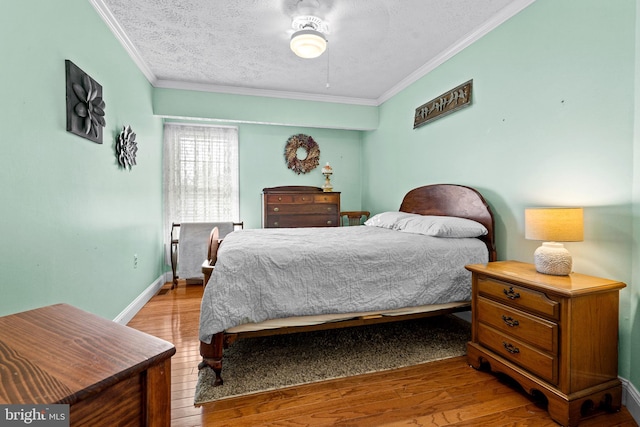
[259, 364]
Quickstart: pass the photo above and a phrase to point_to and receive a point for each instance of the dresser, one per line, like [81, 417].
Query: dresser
[555, 335]
[300, 206]
[108, 374]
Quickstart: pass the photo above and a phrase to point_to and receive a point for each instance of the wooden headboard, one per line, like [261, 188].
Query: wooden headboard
[453, 200]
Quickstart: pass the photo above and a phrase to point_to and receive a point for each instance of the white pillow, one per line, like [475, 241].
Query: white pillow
[441, 226]
[387, 219]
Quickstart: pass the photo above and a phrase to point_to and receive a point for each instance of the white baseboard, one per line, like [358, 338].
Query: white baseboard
[135, 306]
[631, 399]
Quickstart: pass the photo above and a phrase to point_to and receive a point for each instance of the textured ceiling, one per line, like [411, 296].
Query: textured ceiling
[376, 47]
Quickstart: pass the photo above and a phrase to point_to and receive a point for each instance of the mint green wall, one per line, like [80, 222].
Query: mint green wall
[71, 219]
[634, 293]
[256, 109]
[262, 164]
[551, 123]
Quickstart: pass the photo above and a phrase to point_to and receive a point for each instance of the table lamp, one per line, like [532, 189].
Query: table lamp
[553, 225]
[327, 170]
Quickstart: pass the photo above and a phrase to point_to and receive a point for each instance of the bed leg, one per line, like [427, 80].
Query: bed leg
[212, 356]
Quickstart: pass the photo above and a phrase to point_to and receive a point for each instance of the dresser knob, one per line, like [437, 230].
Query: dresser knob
[511, 294]
[276, 209]
[329, 222]
[510, 321]
[275, 224]
[510, 348]
[279, 199]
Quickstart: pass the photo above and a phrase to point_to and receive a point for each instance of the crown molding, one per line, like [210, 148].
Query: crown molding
[511, 10]
[508, 12]
[117, 30]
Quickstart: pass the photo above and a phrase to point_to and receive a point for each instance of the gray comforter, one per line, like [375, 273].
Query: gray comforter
[265, 274]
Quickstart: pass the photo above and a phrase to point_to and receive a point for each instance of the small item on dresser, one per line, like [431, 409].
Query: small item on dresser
[327, 170]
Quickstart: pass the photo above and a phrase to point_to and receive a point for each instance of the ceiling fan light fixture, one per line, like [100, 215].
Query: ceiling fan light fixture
[308, 43]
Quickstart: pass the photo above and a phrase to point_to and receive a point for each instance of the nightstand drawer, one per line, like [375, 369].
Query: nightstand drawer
[517, 296]
[542, 364]
[534, 330]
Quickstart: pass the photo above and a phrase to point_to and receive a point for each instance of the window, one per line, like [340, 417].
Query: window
[200, 174]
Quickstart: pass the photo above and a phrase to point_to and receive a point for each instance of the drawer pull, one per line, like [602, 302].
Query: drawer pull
[276, 209]
[510, 321]
[510, 348]
[276, 224]
[329, 222]
[511, 294]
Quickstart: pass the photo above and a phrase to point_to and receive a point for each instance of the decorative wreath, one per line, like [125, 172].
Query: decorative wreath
[291, 153]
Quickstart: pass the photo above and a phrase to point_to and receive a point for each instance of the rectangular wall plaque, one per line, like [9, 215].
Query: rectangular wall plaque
[444, 104]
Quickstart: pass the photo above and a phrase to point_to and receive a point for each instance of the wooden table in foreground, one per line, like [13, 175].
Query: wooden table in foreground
[108, 373]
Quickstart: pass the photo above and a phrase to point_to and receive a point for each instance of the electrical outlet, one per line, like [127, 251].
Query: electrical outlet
[135, 260]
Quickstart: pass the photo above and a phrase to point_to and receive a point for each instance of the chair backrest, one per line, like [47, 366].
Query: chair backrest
[354, 217]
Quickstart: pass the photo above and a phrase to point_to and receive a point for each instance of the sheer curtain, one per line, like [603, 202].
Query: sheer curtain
[200, 174]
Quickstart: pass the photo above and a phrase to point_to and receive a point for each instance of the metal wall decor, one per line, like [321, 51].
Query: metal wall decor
[126, 147]
[307, 143]
[444, 104]
[85, 106]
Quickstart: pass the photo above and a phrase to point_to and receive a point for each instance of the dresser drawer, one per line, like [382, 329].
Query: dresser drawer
[303, 198]
[312, 208]
[534, 330]
[538, 362]
[293, 221]
[278, 198]
[326, 198]
[519, 297]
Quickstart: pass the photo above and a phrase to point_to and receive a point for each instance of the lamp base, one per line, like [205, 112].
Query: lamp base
[553, 258]
[327, 187]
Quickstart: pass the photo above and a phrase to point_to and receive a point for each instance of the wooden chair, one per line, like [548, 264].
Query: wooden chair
[223, 228]
[354, 217]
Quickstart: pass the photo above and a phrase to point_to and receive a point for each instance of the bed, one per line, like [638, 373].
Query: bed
[401, 265]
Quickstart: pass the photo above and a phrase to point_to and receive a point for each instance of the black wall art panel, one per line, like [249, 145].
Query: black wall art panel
[85, 106]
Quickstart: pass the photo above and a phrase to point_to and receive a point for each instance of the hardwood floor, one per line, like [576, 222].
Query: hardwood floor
[444, 393]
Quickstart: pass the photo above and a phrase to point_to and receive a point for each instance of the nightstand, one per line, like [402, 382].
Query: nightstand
[557, 336]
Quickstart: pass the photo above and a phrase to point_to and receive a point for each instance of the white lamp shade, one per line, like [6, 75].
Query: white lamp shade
[554, 224]
[308, 43]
